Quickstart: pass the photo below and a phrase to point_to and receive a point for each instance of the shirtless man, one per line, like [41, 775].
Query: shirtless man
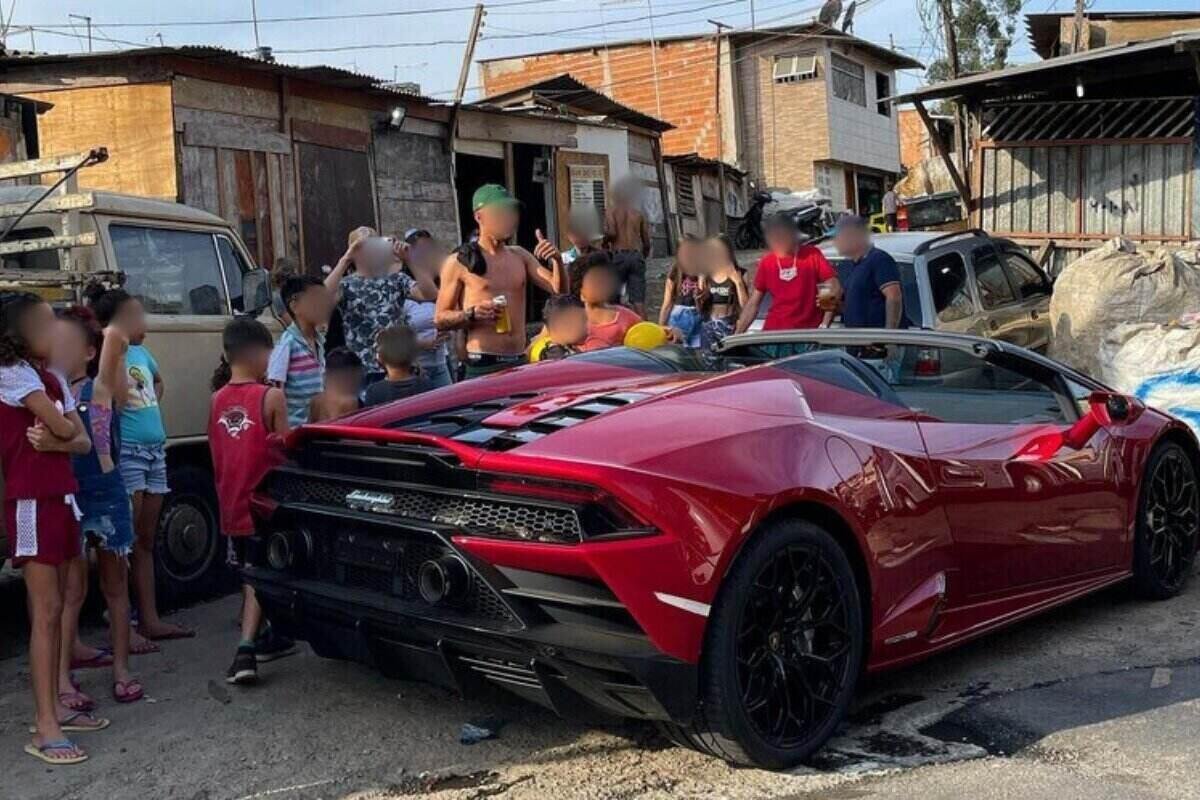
[477, 273]
[628, 233]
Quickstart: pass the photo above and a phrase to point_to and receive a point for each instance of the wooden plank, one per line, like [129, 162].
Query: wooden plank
[1004, 193]
[1134, 177]
[1093, 190]
[275, 198]
[1059, 209]
[291, 206]
[1075, 196]
[200, 188]
[133, 121]
[86, 239]
[1175, 205]
[247, 215]
[503, 127]
[336, 114]
[1039, 189]
[227, 186]
[987, 189]
[1114, 181]
[238, 93]
[55, 202]
[45, 166]
[1154, 188]
[1020, 190]
[330, 136]
[187, 116]
[964, 192]
[236, 138]
[262, 207]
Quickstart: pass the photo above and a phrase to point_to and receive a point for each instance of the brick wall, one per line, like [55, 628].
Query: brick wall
[1103, 32]
[914, 142]
[686, 73]
[784, 126]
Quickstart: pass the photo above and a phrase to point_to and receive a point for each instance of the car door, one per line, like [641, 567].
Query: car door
[1016, 522]
[1003, 316]
[177, 274]
[1032, 288]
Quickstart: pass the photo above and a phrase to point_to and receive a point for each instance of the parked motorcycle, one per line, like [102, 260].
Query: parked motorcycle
[749, 233]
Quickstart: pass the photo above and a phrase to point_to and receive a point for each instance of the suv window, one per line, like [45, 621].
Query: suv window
[1028, 279]
[908, 285]
[171, 271]
[235, 268]
[39, 259]
[948, 282]
[994, 289]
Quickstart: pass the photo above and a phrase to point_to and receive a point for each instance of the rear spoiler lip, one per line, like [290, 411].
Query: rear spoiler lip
[466, 453]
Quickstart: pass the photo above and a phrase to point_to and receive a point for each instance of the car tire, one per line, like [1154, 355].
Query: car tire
[798, 650]
[189, 553]
[1168, 523]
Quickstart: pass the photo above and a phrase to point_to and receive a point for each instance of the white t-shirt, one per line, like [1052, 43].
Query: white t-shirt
[889, 202]
[419, 316]
[18, 381]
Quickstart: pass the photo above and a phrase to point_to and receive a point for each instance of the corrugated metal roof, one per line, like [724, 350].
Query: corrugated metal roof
[323, 74]
[697, 160]
[1010, 77]
[565, 90]
[897, 60]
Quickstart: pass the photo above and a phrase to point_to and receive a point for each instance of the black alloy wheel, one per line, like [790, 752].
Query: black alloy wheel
[1168, 523]
[784, 648]
[793, 646]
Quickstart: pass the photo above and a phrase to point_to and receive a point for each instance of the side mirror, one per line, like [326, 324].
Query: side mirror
[256, 291]
[1106, 410]
[1113, 409]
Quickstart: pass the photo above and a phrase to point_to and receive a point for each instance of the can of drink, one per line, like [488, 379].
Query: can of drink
[503, 324]
[826, 297]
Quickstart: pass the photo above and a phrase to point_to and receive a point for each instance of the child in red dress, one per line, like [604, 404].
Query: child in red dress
[247, 421]
[39, 430]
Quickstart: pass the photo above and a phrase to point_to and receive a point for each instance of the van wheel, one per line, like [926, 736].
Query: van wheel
[189, 559]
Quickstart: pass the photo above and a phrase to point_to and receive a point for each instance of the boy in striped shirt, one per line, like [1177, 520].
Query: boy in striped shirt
[298, 361]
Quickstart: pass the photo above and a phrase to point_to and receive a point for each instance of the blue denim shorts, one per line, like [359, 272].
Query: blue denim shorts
[144, 467]
[111, 533]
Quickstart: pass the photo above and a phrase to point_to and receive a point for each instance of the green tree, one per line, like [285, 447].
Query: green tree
[984, 30]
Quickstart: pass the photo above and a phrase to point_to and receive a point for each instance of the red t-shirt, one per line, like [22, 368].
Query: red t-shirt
[610, 334]
[241, 451]
[792, 283]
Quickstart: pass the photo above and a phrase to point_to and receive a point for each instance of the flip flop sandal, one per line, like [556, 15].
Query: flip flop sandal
[42, 752]
[129, 691]
[103, 658]
[77, 701]
[179, 632]
[71, 723]
[144, 649]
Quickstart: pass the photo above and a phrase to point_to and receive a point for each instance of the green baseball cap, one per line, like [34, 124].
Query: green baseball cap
[493, 194]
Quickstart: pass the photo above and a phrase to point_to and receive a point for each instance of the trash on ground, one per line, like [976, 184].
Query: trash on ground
[480, 731]
[1159, 364]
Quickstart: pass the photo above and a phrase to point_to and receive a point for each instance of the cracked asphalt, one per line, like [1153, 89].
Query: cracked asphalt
[1098, 699]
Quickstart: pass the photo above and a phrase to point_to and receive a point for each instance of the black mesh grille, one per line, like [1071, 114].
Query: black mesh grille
[472, 514]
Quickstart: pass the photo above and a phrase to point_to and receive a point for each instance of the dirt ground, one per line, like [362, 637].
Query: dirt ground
[1096, 700]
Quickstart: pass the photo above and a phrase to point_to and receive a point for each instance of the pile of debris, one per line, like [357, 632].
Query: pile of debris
[1132, 319]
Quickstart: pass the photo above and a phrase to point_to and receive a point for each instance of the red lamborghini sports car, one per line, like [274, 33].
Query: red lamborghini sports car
[724, 543]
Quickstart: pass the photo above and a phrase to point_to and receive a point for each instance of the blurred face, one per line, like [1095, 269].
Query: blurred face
[690, 258]
[851, 241]
[375, 255]
[498, 222]
[342, 381]
[715, 256]
[422, 255]
[254, 360]
[131, 319]
[599, 285]
[570, 326]
[38, 328]
[70, 353]
[314, 305]
[781, 241]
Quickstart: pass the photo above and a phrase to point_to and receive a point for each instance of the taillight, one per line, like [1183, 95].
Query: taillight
[600, 515]
[929, 362]
[902, 218]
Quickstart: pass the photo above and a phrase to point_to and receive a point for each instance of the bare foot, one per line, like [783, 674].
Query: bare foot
[165, 630]
[140, 646]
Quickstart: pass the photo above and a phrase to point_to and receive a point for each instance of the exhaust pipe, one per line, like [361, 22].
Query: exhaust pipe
[443, 579]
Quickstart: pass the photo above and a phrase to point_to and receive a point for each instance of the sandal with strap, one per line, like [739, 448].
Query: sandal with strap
[79, 722]
[103, 658]
[77, 701]
[44, 752]
[129, 691]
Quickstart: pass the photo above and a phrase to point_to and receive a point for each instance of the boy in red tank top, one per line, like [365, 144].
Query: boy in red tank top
[39, 430]
[245, 425]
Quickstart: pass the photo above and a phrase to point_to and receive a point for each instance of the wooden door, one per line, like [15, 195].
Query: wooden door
[336, 196]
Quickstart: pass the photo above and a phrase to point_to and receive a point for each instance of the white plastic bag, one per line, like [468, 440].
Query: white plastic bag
[1160, 364]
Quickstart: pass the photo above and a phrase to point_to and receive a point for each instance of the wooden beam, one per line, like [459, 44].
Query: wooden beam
[45, 166]
[963, 192]
[49, 243]
[61, 202]
[330, 135]
[233, 137]
[1044, 252]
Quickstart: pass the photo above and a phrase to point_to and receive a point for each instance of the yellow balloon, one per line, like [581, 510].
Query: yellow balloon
[539, 347]
[646, 336]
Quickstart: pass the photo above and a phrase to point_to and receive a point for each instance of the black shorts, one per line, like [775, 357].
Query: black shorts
[630, 266]
[243, 551]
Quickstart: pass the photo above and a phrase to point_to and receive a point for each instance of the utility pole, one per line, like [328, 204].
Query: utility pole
[720, 125]
[654, 59]
[254, 21]
[468, 54]
[946, 9]
[87, 20]
[1078, 27]
[752, 25]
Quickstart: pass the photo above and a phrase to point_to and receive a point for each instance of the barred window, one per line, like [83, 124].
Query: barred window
[685, 198]
[849, 80]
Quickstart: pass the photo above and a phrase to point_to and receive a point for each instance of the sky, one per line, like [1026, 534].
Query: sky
[405, 47]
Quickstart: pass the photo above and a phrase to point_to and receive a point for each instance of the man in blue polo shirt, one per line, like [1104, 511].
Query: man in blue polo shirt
[872, 296]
